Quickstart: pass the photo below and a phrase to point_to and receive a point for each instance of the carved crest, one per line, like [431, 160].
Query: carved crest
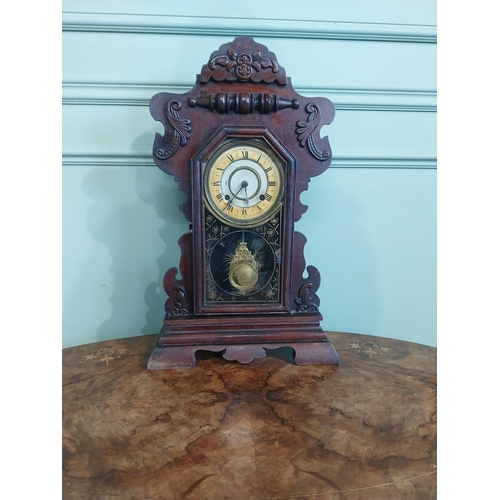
[243, 60]
[243, 65]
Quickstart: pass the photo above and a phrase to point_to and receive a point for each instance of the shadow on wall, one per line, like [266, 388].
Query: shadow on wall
[165, 203]
[142, 242]
[338, 246]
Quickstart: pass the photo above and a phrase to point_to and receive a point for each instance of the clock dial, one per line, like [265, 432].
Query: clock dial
[243, 183]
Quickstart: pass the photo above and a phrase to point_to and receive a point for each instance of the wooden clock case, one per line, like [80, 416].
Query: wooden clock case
[242, 92]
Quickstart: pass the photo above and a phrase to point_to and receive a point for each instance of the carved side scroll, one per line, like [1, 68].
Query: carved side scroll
[178, 136]
[305, 130]
[180, 294]
[178, 303]
[307, 301]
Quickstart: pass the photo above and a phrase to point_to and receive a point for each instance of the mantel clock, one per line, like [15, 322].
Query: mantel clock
[242, 145]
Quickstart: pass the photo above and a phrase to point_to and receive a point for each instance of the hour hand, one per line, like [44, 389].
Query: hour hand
[246, 196]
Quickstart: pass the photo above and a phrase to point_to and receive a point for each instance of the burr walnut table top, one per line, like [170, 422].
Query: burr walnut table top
[364, 429]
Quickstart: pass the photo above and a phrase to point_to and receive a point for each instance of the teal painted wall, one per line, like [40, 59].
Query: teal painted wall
[371, 223]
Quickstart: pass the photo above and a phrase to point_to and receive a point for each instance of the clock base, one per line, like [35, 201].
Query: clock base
[179, 357]
[179, 340]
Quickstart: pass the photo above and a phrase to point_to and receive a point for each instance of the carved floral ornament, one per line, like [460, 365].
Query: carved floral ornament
[243, 60]
[243, 65]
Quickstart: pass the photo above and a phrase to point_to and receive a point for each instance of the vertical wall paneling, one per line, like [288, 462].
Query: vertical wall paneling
[371, 223]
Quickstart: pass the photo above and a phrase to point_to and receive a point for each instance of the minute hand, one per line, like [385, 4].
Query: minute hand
[244, 184]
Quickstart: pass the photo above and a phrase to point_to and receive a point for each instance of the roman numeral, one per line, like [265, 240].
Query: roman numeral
[230, 157]
[216, 183]
[219, 197]
[269, 169]
[243, 211]
[272, 183]
[245, 155]
[268, 197]
[229, 207]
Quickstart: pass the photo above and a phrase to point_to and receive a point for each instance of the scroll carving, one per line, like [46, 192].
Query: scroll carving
[307, 301]
[243, 103]
[178, 303]
[305, 130]
[178, 136]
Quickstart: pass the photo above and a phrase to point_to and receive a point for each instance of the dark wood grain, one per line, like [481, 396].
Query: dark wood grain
[364, 429]
[241, 93]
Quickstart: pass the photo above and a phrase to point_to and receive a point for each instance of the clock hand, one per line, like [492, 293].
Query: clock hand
[244, 184]
[246, 196]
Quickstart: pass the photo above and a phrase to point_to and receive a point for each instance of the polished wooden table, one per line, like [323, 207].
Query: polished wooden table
[270, 429]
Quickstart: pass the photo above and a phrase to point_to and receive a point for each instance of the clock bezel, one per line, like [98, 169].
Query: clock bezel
[270, 209]
[224, 134]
